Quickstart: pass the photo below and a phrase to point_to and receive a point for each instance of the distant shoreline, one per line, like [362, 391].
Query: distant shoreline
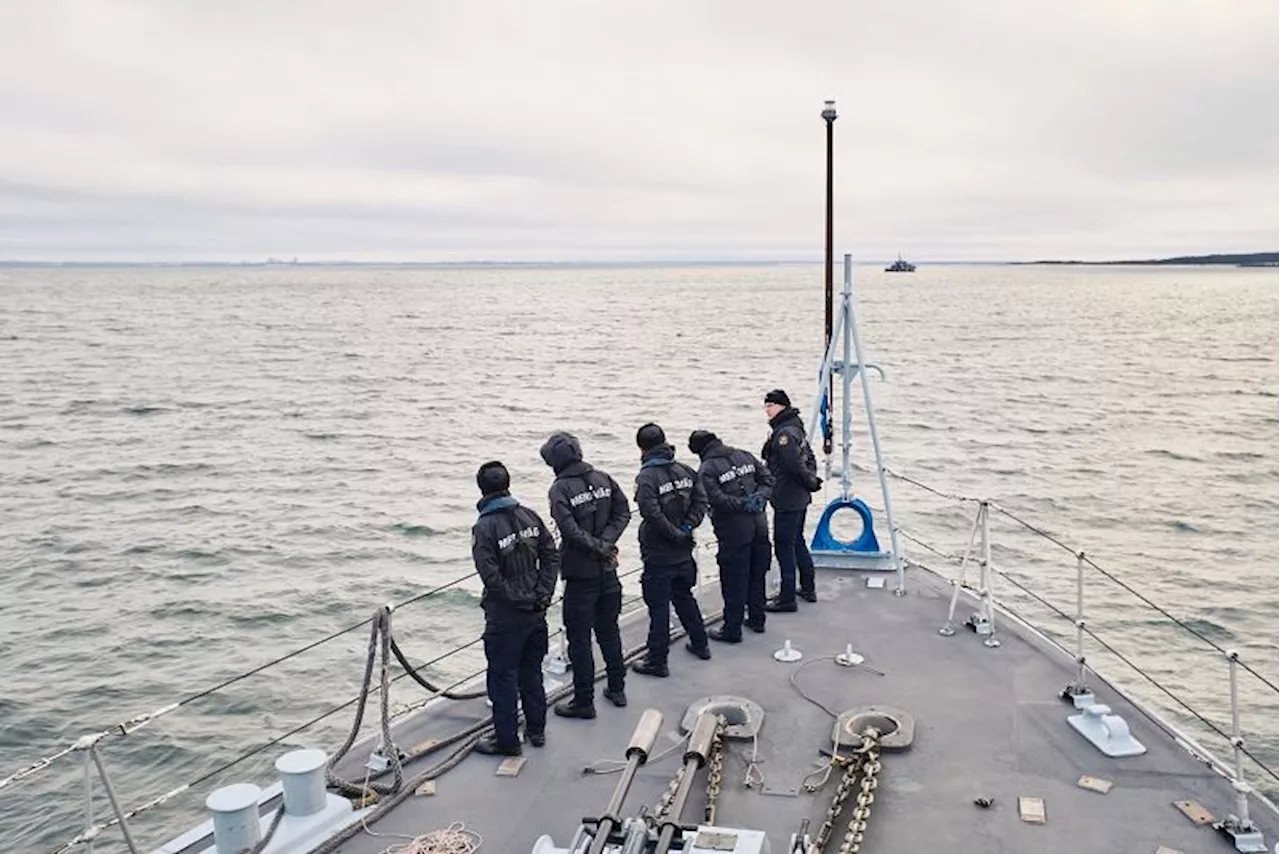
[1252, 259]
[294, 265]
[1247, 259]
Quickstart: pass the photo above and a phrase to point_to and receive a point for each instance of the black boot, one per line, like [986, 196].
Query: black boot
[489, 747]
[778, 606]
[616, 696]
[703, 652]
[723, 636]
[645, 667]
[808, 595]
[569, 709]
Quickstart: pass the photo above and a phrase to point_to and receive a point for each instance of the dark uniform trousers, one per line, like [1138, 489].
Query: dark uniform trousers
[743, 568]
[593, 604]
[793, 554]
[664, 586]
[514, 647]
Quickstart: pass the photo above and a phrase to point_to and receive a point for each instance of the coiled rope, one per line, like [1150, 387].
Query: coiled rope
[454, 839]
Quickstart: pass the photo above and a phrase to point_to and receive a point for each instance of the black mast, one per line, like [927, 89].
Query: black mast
[828, 115]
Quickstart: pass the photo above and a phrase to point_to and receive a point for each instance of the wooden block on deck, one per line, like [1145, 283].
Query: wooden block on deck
[1095, 784]
[1192, 810]
[1031, 810]
[510, 766]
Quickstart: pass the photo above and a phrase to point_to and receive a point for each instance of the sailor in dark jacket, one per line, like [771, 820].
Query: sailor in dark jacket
[591, 512]
[738, 487]
[516, 558]
[794, 468]
[672, 503]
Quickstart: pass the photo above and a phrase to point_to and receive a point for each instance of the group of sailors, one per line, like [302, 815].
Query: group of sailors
[519, 561]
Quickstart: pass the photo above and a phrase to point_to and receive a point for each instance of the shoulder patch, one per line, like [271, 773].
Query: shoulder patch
[782, 440]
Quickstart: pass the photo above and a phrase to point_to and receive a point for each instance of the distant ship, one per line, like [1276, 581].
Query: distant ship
[900, 266]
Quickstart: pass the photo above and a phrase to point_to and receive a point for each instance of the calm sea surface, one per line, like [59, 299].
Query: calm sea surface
[202, 469]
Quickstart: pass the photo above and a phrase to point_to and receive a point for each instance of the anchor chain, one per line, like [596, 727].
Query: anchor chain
[663, 807]
[853, 837]
[858, 824]
[843, 789]
[715, 769]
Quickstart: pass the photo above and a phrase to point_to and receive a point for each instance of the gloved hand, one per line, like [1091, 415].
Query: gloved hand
[544, 602]
[687, 532]
[815, 483]
[755, 502]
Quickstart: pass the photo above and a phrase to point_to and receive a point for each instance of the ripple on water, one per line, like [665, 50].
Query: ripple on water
[276, 452]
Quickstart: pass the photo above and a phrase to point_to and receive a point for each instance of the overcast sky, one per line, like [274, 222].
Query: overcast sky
[433, 130]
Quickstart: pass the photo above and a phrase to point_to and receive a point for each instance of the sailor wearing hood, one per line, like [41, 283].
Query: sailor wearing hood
[516, 558]
[795, 469]
[672, 503]
[591, 512]
[738, 487]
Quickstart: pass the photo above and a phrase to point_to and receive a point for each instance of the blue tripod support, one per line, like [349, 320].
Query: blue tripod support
[864, 551]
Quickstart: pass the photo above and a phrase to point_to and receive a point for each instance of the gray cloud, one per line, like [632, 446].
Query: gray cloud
[448, 131]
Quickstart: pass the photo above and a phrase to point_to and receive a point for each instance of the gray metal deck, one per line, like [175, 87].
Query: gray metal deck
[987, 724]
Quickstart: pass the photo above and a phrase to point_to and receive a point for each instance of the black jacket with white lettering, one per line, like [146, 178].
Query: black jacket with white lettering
[516, 558]
[671, 499]
[792, 462]
[729, 476]
[590, 510]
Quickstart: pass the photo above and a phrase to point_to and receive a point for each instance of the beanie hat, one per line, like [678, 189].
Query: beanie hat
[493, 478]
[699, 439]
[650, 436]
[777, 396]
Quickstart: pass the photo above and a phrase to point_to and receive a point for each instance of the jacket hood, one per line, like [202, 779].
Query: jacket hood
[494, 503]
[715, 448]
[560, 450]
[658, 456]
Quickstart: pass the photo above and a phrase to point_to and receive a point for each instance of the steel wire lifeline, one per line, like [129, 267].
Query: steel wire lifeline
[1077, 553]
[1055, 609]
[132, 724]
[135, 723]
[379, 620]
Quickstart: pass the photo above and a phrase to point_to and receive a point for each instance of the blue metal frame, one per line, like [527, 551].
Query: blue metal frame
[824, 540]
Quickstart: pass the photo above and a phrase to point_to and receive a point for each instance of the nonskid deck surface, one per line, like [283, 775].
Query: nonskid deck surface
[987, 724]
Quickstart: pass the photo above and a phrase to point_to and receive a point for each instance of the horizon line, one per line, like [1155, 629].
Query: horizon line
[471, 262]
[272, 261]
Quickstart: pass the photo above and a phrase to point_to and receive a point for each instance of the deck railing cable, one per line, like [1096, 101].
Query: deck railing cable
[135, 723]
[1040, 532]
[1112, 650]
[95, 830]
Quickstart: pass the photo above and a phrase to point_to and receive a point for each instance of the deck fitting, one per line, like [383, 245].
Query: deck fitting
[742, 717]
[1105, 731]
[896, 727]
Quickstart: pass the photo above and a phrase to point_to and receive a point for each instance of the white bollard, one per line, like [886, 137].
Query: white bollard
[302, 779]
[235, 817]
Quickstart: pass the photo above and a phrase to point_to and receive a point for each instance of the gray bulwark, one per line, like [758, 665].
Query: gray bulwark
[987, 724]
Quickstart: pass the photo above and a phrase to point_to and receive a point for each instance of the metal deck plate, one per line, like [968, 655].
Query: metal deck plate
[874, 561]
